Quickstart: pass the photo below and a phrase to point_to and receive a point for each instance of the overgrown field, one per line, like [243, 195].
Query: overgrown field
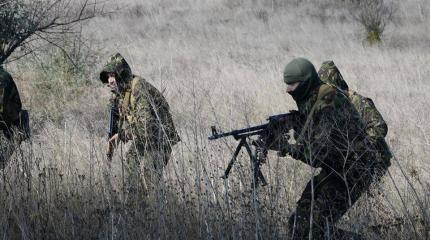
[219, 62]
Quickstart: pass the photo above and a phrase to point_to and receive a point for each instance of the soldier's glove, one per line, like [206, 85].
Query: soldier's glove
[285, 150]
[294, 150]
[281, 153]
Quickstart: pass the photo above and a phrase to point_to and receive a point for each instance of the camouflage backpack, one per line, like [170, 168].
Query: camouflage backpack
[160, 109]
[330, 74]
[376, 128]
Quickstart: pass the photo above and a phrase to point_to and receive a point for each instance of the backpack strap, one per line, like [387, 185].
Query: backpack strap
[126, 100]
[325, 98]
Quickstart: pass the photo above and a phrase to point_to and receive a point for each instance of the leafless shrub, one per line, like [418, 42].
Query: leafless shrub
[55, 187]
[25, 24]
[373, 15]
[262, 15]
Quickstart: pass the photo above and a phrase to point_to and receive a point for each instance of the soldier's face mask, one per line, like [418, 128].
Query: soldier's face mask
[112, 83]
[291, 87]
[299, 91]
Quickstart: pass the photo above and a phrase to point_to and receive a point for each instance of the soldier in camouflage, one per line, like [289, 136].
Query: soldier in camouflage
[10, 109]
[331, 137]
[376, 128]
[145, 120]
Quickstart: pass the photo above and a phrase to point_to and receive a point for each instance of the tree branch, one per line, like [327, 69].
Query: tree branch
[21, 20]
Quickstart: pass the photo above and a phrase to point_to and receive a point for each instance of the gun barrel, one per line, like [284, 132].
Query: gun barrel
[236, 133]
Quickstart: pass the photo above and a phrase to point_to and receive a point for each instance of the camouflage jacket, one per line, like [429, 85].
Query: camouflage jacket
[144, 112]
[145, 116]
[333, 135]
[10, 102]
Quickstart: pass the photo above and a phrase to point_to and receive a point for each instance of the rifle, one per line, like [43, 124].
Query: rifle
[113, 126]
[266, 133]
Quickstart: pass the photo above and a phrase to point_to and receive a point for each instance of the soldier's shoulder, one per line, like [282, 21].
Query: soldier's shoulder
[149, 88]
[140, 86]
[325, 91]
[5, 77]
[330, 96]
[329, 100]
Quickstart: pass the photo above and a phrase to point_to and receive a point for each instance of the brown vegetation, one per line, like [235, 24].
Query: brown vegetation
[219, 63]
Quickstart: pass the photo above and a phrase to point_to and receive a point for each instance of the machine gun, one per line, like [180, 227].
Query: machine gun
[266, 132]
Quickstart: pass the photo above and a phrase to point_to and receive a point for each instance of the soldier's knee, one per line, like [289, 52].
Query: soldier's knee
[2, 165]
[292, 222]
[298, 226]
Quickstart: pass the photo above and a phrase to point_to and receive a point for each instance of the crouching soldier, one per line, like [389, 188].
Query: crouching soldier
[332, 136]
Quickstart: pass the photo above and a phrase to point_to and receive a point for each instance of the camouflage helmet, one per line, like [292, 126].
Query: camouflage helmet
[330, 74]
[118, 66]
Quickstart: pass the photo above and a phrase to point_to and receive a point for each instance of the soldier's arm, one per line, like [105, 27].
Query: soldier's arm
[279, 141]
[170, 127]
[317, 146]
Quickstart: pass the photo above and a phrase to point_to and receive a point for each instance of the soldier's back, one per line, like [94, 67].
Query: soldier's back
[159, 107]
[10, 102]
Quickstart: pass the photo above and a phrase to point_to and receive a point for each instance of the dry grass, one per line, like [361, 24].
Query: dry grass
[219, 63]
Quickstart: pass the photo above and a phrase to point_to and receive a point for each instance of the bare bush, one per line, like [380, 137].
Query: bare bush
[228, 74]
[373, 15]
[24, 23]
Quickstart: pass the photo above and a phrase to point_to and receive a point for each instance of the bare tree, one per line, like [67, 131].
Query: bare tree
[24, 24]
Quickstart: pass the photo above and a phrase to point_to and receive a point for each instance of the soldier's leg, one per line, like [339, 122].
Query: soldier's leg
[6, 150]
[153, 167]
[133, 185]
[325, 201]
[322, 203]
[144, 170]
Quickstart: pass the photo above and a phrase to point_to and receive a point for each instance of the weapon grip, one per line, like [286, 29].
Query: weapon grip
[214, 131]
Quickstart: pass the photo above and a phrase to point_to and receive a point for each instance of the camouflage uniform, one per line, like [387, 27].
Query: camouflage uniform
[332, 138]
[146, 121]
[10, 108]
[376, 128]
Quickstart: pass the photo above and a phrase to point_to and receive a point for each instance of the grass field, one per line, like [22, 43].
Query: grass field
[218, 62]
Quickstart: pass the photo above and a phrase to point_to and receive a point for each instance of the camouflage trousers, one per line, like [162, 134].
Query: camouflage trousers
[144, 172]
[6, 150]
[326, 199]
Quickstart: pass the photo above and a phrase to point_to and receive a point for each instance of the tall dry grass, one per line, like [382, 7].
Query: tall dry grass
[218, 63]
